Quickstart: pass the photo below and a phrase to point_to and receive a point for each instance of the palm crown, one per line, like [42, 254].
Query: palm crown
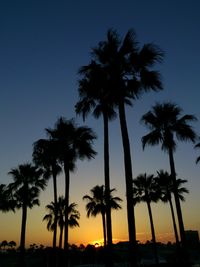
[165, 122]
[27, 185]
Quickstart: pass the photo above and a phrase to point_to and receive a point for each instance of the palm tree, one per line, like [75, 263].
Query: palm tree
[165, 123]
[165, 182]
[96, 204]
[146, 190]
[128, 75]
[25, 191]
[73, 216]
[45, 155]
[73, 143]
[12, 244]
[95, 98]
[4, 244]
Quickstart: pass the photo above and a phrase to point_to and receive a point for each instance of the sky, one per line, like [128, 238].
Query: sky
[43, 44]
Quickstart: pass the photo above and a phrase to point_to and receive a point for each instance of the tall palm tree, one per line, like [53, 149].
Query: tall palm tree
[166, 123]
[73, 142]
[165, 182]
[129, 74]
[25, 189]
[146, 190]
[95, 98]
[73, 216]
[45, 155]
[96, 204]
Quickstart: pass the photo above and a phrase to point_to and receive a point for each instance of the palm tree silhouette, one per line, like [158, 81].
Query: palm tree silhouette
[12, 244]
[4, 244]
[73, 142]
[94, 97]
[128, 74]
[146, 189]
[165, 183]
[165, 123]
[25, 192]
[73, 216]
[45, 155]
[97, 205]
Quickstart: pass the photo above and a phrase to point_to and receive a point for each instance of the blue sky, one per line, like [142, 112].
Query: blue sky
[44, 43]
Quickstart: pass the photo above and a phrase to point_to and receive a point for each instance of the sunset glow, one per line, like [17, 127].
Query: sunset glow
[43, 46]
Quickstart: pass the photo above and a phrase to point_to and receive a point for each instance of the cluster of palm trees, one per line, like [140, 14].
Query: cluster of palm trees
[119, 72]
[65, 143]
[150, 188]
[5, 243]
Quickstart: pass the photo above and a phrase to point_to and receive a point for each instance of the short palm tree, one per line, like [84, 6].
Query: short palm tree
[96, 204]
[25, 189]
[73, 217]
[166, 122]
[73, 143]
[73, 214]
[146, 190]
[129, 74]
[165, 182]
[45, 155]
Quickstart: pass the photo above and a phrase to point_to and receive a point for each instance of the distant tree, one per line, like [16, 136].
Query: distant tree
[12, 244]
[4, 244]
[97, 205]
[166, 124]
[28, 182]
[146, 190]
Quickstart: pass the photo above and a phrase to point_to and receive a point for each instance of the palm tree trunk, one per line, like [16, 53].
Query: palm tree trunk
[104, 228]
[153, 232]
[56, 206]
[174, 222]
[129, 186]
[61, 236]
[107, 191]
[183, 254]
[23, 236]
[23, 228]
[176, 197]
[66, 230]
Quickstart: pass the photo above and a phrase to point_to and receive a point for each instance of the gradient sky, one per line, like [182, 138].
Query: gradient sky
[43, 44]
